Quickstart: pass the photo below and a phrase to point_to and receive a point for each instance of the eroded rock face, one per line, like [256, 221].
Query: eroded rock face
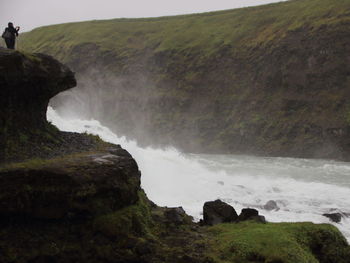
[28, 82]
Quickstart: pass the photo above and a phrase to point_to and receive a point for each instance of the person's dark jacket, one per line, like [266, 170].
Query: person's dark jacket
[13, 31]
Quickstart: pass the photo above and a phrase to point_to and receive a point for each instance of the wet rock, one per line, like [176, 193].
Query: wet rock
[251, 214]
[271, 205]
[334, 217]
[216, 212]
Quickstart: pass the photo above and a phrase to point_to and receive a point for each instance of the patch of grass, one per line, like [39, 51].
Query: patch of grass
[278, 242]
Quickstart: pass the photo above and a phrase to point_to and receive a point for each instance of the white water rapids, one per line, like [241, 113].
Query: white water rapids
[304, 189]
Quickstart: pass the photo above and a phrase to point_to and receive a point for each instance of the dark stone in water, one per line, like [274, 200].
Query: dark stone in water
[220, 182]
[271, 205]
[334, 217]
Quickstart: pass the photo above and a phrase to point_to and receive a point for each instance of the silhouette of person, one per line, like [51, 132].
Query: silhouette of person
[10, 35]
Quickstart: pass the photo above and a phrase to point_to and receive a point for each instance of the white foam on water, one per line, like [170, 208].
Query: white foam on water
[304, 189]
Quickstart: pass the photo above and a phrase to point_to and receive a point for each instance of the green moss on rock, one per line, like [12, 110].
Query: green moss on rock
[131, 221]
[279, 242]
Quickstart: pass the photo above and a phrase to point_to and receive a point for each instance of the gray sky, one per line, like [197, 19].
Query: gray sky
[34, 13]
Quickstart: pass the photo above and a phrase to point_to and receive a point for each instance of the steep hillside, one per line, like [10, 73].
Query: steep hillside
[271, 80]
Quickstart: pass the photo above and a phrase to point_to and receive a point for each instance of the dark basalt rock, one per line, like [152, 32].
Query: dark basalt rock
[216, 212]
[271, 205]
[250, 214]
[334, 217]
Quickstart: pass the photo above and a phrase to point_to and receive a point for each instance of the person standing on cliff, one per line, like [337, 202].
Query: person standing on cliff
[10, 35]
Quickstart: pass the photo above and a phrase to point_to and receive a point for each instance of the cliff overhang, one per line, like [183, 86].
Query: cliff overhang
[28, 82]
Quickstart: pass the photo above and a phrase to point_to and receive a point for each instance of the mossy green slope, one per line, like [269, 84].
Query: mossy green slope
[271, 80]
[279, 242]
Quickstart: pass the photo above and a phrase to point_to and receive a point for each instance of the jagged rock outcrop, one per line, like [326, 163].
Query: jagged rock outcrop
[27, 83]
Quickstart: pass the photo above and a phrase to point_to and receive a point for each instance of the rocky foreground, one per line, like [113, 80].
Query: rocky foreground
[86, 205]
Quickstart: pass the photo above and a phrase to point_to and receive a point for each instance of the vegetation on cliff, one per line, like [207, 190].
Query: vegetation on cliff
[207, 32]
[269, 80]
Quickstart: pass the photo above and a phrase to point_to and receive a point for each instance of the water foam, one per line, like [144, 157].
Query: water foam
[303, 189]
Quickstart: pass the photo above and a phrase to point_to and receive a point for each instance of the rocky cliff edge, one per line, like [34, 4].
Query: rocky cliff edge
[27, 83]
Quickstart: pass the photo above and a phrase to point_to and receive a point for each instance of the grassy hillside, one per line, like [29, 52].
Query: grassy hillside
[207, 32]
[270, 80]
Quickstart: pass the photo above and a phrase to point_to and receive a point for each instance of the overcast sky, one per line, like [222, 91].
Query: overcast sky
[34, 13]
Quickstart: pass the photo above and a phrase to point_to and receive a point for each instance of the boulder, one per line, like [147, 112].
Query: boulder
[250, 214]
[79, 186]
[221, 182]
[334, 217]
[216, 212]
[271, 205]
